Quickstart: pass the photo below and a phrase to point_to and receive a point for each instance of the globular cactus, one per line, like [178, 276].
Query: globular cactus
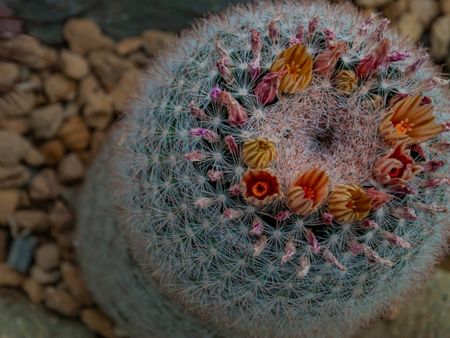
[283, 175]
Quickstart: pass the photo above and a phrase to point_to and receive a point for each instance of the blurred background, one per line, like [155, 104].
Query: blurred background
[67, 71]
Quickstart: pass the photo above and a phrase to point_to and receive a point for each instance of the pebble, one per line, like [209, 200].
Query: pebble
[60, 216]
[45, 186]
[59, 88]
[16, 103]
[154, 41]
[9, 201]
[98, 111]
[34, 290]
[445, 6]
[108, 67]
[372, 3]
[70, 168]
[83, 35]
[128, 46]
[47, 256]
[73, 65]
[45, 277]
[14, 148]
[74, 133]
[89, 86]
[27, 50]
[440, 37]
[13, 177]
[424, 10]
[34, 220]
[410, 26]
[125, 89]
[17, 125]
[60, 301]
[46, 121]
[53, 151]
[75, 284]
[98, 322]
[395, 9]
[3, 244]
[10, 277]
[20, 253]
[10, 73]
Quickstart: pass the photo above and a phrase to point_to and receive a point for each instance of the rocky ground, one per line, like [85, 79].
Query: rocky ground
[56, 106]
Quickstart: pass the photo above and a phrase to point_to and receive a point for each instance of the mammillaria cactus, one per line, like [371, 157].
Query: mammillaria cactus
[283, 175]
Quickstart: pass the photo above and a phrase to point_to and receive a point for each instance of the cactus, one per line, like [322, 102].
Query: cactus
[283, 174]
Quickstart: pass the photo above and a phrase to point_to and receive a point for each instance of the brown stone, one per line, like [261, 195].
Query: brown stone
[424, 10]
[33, 219]
[16, 103]
[410, 26]
[74, 133]
[154, 41]
[395, 9]
[440, 37]
[98, 111]
[9, 201]
[44, 186]
[53, 151]
[47, 256]
[70, 168]
[445, 6]
[17, 125]
[73, 65]
[88, 86]
[60, 301]
[125, 90]
[3, 245]
[71, 109]
[29, 51]
[34, 290]
[60, 216]
[46, 121]
[9, 276]
[108, 67]
[59, 88]
[12, 177]
[14, 148]
[45, 277]
[10, 73]
[128, 46]
[139, 59]
[98, 322]
[83, 35]
[65, 239]
[75, 284]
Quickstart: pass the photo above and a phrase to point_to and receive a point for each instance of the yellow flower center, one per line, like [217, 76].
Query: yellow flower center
[309, 193]
[260, 189]
[404, 126]
[263, 145]
[293, 69]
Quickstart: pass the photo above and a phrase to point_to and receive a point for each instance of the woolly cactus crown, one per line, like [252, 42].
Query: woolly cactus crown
[283, 173]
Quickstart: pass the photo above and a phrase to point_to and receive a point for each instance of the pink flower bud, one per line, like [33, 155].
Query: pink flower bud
[197, 112]
[214, 175]
[222, 52]
[405, 213]
[230, 214]
[432, 166]
[207, 134]
[231, 144]
[369, 224]
[366, 24]
[397, 56]
[235, 190]
[267, 88]
[236, 113]
[224, 71]
[259, 246]
[396, 240]
[379, 198]
[326, 61]
[312, 241]
[256, 43]
[425, 100]
[274, 31]
[194, 156]
[414, 67]
[374, 257]
[257, 227]
[254, 68]
[378, 34]
[355, 247]
[215, 94]
[329, 257]
[370, 63]
[327, 218]
[299, 35]
[282, 215]
[435, 182]
[405, 189]
[289, 252]
[312, 26]
[203, 202]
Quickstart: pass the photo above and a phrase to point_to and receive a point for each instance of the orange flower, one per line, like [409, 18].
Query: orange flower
[258, 152]
[349, 203]
[260, 187]
[397, 167]
[308, 192]
[346, 81]
[409, 121]
[298, 64]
